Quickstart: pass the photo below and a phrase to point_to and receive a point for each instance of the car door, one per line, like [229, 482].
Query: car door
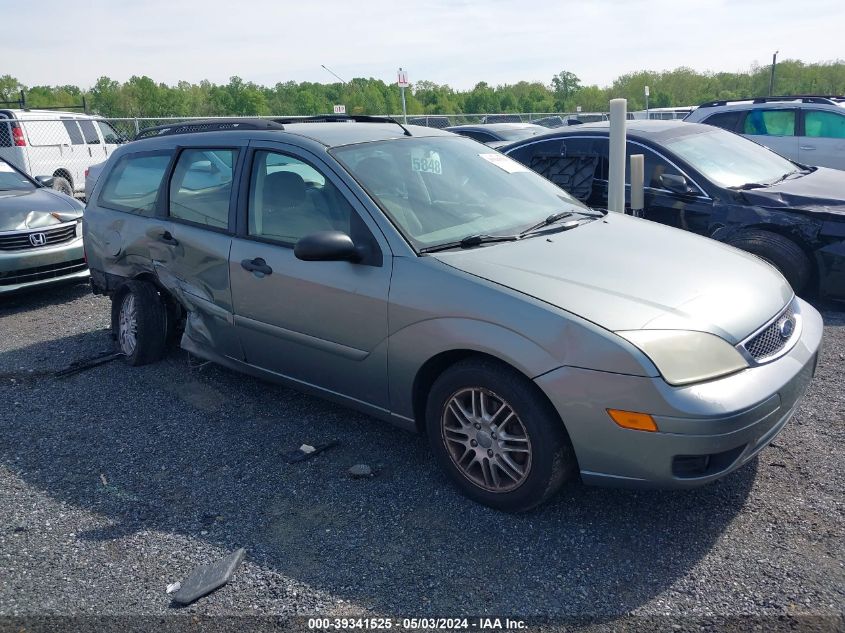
[822, 141]
[320, 323]
[776, 128]
[194, 234]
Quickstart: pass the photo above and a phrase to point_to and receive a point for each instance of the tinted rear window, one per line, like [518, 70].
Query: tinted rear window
[726, 120]
[133, 184]
[73, 132]
[89, 132]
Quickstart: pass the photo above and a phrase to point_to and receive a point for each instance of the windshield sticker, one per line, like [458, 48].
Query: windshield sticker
[426, 161]
[6, 168]
[503, 162]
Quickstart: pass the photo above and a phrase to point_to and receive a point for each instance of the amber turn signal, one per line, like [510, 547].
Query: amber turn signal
[631, 420]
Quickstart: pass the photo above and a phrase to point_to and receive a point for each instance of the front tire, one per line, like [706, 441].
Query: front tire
[779, 251]
[496, 437]
[63, 185]
[140, 322]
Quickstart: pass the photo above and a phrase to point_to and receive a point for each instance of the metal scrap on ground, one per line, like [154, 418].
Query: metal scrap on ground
[206, 578]
[81, 365]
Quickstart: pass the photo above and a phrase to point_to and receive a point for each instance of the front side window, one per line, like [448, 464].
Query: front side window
[654, 166]
[289, 199]
[770, 123]
[821, 124]
[201, 187]
[134, 182]
[729, 160]
[440, 189]
[110, 135]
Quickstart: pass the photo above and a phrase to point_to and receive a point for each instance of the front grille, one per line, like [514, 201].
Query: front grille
[20, 240]
[39, 273]
[771, 340]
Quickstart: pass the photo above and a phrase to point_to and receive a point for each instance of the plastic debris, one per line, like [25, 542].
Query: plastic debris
[174, 587]
[298, 455]
[206, 578]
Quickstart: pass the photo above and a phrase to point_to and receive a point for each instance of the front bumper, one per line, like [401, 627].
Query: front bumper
[706, 430]
[34, 267]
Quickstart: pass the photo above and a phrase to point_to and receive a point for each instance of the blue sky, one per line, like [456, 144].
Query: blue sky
[459, 42]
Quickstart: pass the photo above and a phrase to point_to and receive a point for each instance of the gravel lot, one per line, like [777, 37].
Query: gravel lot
[117, 481]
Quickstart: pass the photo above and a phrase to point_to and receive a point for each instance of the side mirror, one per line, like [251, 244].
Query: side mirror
[326, 246]
[45, 181]
[675, 184]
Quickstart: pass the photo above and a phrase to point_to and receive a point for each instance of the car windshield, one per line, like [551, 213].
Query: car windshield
[729, 160]
[438, 190]
[10, 178]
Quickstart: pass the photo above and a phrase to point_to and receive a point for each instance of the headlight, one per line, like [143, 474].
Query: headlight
[685, 357]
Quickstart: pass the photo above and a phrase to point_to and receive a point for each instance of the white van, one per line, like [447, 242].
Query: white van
[58, 144]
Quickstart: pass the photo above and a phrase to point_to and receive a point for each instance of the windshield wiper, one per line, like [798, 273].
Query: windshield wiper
[554, 217]
[751, 185]
[469, 241]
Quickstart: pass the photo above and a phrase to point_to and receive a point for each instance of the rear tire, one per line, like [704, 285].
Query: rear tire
[779, 251]
[63, 185]
[139, 322]
[511, 461]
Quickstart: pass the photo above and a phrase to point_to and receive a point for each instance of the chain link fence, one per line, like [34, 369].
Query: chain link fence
[64, 146]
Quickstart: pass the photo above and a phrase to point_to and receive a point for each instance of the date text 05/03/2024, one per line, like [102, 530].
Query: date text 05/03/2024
[444, 624]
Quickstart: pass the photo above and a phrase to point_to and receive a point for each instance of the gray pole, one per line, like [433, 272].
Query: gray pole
[404, 109]
[772, 78]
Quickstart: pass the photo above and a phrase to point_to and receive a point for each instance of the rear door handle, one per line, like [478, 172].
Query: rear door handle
[168, 239]
[257, 265]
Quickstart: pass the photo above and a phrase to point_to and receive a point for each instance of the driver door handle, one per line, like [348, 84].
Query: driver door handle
[257, 265]
[807, 148]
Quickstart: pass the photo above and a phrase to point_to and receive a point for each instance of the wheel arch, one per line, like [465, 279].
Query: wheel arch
[434, 367]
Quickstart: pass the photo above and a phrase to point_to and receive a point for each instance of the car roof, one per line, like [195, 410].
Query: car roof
[347, 133]
[49, 114]
[493, 127]
[325, 133]
[642, 129]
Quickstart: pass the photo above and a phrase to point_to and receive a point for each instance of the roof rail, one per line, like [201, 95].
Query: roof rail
[340, 118]
[818, 99]
[208, 125]
[21, 103]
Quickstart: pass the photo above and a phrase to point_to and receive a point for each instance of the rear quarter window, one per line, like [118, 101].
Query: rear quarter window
[134, 182]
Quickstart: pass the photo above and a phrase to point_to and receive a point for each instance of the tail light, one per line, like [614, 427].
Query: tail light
[86, 172]
[17, 136]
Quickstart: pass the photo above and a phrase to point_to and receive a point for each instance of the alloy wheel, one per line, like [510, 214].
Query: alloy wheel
[486, 439]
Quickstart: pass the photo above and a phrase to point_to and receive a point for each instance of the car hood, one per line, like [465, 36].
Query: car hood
[821, 191]
[35, 209]
[623, 273]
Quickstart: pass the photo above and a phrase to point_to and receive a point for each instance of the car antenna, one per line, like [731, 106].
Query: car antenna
[405, 130]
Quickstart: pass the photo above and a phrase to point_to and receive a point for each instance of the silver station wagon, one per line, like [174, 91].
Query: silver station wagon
[429, 281]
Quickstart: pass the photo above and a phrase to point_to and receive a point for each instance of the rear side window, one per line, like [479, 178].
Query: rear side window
[201, 186]
[726, 120]
[821, 124]
[133, 184]
[770, 123]
[89, 132]
[73, 132]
